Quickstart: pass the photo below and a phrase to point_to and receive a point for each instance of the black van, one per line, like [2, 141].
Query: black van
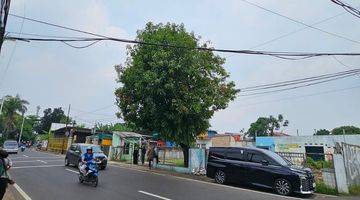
[258, 167]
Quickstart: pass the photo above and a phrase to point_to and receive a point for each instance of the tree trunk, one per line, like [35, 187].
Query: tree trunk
[185, 149]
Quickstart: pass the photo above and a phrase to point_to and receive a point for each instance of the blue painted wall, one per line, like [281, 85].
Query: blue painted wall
[265, 143]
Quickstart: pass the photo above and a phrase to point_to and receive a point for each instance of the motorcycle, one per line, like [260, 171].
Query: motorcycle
[91, 175]
[22, 148]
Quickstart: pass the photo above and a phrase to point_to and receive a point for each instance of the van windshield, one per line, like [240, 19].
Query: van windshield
[278, 158]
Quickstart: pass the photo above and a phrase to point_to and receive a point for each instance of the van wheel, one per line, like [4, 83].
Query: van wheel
[220, 177]
[283, 187]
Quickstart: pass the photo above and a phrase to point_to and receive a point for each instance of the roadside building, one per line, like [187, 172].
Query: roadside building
[123, 144]
[61, 136]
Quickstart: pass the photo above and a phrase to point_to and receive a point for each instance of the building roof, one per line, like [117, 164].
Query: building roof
[128, 134]
[56, 126]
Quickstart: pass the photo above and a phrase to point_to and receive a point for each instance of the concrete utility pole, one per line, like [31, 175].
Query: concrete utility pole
[2, 104]
[22, 126]
[37, 110]
[4, 12]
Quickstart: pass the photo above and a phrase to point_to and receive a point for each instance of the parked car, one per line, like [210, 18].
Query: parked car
[73, 155]
[11, 146]
[258, 167]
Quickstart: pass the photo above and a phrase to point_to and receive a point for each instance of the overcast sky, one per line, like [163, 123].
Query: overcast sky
[55, 75]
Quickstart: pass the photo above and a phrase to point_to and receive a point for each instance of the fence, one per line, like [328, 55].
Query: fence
[58, 145]
[351, 155]
[171, 156]
[121, 153]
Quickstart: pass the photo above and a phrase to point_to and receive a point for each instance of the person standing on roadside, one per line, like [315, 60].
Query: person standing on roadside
[143, 153]
[5, 165]
[150, 155]
[156, 154]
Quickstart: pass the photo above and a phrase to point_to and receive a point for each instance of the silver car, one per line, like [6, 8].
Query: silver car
[11, 146]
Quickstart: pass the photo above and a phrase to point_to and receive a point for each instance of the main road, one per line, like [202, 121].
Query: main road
[43, 176]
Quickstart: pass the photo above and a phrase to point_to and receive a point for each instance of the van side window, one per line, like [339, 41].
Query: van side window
[235, 155]
[217, 153]
[255, 158]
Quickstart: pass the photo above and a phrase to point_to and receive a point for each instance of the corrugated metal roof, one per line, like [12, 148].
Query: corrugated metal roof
[127, 134]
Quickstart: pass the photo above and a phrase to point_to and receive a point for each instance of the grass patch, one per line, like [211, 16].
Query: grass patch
[176, 162]
[324, 189]
[354, 190]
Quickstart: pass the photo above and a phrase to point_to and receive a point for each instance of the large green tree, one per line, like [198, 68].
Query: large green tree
[113, 127]
[13, 107]
[347, 130]
[322, 132]
[265, 126]
[172, 91]
[55, 115]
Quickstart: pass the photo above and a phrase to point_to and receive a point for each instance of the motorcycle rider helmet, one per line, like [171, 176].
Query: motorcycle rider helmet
[89, 149]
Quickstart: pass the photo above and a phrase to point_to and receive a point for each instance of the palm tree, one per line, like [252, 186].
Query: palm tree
[12, 107]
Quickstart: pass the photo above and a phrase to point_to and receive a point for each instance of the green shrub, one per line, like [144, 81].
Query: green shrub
[354, 190]
[324, 189]
[318, 164]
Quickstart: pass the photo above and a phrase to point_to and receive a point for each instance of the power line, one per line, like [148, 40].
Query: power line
[298, 81]
[348, 8]
[299, 86]
[300, 22]
[282, 55]
[295, 31]
[302, 96]
[2, 78]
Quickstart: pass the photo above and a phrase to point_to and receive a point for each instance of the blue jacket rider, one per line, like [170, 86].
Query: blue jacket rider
[87, 157]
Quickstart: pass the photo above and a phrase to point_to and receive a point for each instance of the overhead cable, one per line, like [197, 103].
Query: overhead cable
[300, 22]
[282, 55]
[348, 8]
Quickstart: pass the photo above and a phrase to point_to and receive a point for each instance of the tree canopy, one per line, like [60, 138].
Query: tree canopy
[113, 127]
[55, 115]
[322, 132]
[172, 91]
[347, 130]
[12, 108]
[265, 126]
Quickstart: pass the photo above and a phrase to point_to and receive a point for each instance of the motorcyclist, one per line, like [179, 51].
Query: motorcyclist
[86, 159]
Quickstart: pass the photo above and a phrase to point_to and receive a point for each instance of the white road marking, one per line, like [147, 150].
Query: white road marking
[25, 161]
[22, 193]
[73, 171]
[36, 166]
[154, 195]
[25, 156]
[35, 158]
[209, 183]
[42, 161]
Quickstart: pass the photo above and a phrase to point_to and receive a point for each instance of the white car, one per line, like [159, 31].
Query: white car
[11, 146]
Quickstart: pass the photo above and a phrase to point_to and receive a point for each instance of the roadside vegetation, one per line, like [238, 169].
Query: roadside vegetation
[324, 189]
[354, 190]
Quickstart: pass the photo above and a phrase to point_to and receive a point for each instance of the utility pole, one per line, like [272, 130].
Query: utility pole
[67, 132]
[2, 104]
[22, 126]
[37, 110]
[4, 12]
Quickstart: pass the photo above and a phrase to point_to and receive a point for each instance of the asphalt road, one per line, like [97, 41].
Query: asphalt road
[43, 176]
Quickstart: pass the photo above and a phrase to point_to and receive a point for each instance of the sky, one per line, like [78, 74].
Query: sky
[55, 75]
